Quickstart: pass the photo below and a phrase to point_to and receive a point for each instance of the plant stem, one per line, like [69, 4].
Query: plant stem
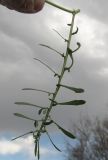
[61, 75]
[62, 8]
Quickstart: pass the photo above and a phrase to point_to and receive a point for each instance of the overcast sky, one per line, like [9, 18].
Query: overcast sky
[20, 35]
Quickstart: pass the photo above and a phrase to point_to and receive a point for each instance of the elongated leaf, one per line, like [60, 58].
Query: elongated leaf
[39, 90]
[51, 48]
[76, 90]
[67, 133]
[36, 147]
[52, 142]
[22, 135]
[23, 116]
[46, 65]
[60, 35]
[74, 102]
[29, 89]
[27, 104]
[38, 154]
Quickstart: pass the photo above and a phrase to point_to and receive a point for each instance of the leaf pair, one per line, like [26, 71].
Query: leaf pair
[74, 102]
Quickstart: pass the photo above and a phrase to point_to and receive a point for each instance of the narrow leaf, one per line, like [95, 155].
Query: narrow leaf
[23, 116]
[38, 154]
[52, 142]
[51, 48]
[74, 102]
[33, 89]
[76, 90]
[21, 135]
[45, 65]
[67, 133]
[59, 35]
[27, 104]
[36, 147]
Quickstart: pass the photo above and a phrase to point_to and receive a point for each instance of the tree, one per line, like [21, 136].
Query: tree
[92, 141]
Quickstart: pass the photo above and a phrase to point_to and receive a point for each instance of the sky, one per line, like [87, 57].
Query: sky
[20, 36]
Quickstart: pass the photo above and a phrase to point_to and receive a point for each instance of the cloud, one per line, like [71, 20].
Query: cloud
[7, 147]
[23, 146]
[103, 72]
[96, 9]
[92, 38]
[20, 35]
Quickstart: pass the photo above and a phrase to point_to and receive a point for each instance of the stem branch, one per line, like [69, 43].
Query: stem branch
[62, 8]
[60, 78]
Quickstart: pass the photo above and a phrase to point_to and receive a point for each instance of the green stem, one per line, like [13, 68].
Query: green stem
[61, 76]
[62, 8]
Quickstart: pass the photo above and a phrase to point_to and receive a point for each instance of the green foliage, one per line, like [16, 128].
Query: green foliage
[76, 90]
[38, 153]
[28, 104]
[74, 102]
[52, 142]
[23, 116]
[67, 133]
[45, 112]
[36, 148]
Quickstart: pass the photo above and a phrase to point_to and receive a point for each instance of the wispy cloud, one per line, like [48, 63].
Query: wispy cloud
[23, 145]
[7, 147]
[92, 38]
